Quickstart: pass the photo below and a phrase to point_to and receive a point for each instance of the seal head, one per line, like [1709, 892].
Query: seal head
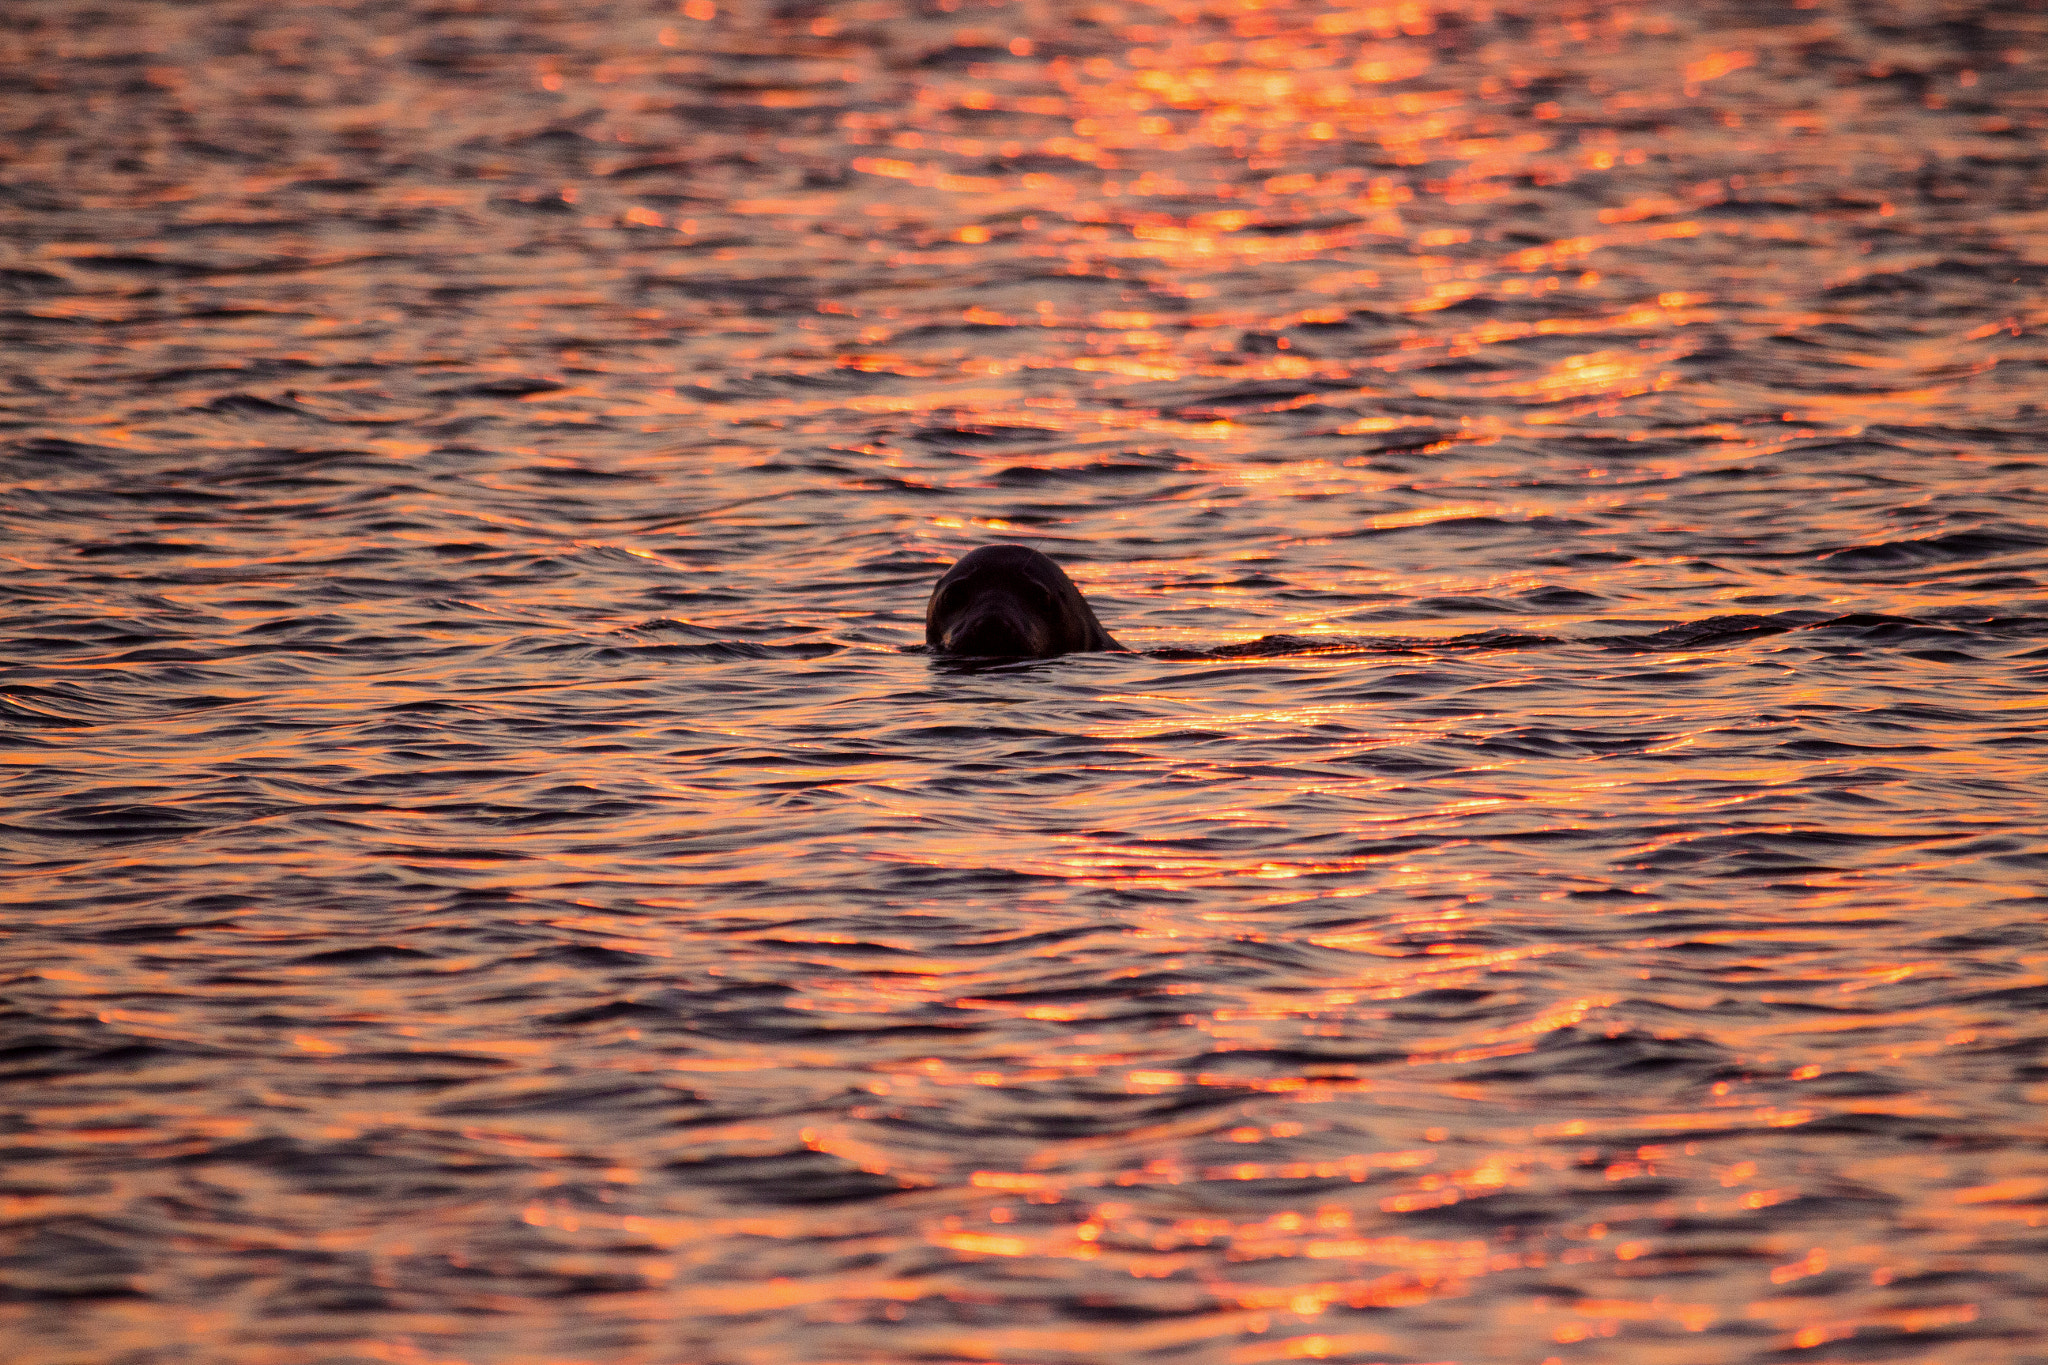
[1010, 600]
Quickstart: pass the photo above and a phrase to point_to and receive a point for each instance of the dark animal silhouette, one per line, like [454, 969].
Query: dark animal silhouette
[1010, 600]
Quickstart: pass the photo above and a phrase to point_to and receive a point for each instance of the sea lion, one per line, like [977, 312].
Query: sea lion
[1011, 600]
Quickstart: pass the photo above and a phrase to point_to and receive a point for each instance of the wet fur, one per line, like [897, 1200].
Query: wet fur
[1011, 601]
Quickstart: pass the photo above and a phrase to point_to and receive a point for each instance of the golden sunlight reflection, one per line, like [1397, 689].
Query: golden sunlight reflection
[506, 890]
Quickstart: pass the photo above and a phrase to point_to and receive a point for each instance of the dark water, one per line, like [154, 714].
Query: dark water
[488, 883]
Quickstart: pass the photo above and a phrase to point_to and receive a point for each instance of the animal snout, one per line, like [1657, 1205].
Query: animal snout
[996, 630]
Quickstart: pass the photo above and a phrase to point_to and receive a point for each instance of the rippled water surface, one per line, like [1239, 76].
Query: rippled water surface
[494, 879]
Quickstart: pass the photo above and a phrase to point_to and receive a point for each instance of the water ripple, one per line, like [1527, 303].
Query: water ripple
[1554, 878]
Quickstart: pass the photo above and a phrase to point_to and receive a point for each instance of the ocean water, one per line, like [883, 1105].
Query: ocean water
[493, 878]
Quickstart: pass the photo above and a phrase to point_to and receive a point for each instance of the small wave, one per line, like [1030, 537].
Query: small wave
[1955, 547]
[1252, 396]
[38, 457]
[34, 707]
[1032, 475]
[717, 650]
[1715, 630]
[1298, 646]
[1691, 635]
[512, 387]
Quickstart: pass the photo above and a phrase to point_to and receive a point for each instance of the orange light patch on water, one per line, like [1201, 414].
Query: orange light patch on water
[1145, 946]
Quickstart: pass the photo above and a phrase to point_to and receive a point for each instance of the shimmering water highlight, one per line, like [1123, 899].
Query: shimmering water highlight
[1555, 877]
